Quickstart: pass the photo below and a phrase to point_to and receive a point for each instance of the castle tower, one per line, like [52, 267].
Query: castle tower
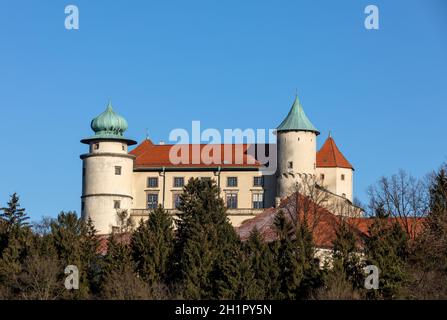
[335, 173]
[296, 149]
[106, 171]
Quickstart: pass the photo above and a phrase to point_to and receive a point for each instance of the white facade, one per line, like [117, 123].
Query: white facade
[296, 159]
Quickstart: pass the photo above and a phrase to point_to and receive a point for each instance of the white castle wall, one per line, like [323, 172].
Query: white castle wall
[101, 186]
[298, 147]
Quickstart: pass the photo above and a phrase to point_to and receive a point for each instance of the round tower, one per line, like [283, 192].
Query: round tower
[296, 149]
[106, 171]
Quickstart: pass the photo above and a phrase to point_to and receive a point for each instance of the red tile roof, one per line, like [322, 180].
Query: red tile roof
[323, 223]
[149, 155]
[330, 156]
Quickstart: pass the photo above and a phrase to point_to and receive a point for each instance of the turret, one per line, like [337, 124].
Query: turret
[296, 145]
[334, 172]
[106, 171]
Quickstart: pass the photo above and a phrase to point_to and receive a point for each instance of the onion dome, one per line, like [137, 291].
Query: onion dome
[297, 120]
[109, 126]
[109, 123]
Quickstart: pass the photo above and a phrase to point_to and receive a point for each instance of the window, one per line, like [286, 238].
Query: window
[343, 195]
[152, 201]
[342, 177]
[83, 172]
[290, 165]
[116, 204]
[258, 181]
[322, 176]
[117, 170]
[96, 146]
[179, 182]
[176, 200]
[232, 182]
[205, 178]
[258, 201]
[124, 147]
[82, 206]
[152, 182]
[231, 200]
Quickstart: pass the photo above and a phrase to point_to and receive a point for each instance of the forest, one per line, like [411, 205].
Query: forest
[202, 257]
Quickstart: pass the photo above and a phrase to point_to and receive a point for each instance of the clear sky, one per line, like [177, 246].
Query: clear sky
[229, 64]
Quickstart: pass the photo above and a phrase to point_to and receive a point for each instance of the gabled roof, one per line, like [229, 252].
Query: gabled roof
[329, 156]
[297, 120]
[149, 155]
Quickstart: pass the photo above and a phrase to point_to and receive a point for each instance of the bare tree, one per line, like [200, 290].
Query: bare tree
[306, 200]
[402, 196]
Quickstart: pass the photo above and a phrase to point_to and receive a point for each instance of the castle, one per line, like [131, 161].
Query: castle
[114, 178]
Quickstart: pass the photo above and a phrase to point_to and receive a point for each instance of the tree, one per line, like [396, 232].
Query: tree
[344, 277]
[204, 235]
[76, 243]
[387, 248]
[290, 269]
[429, 253]
[13, 215]
[402, 196]
[152, 245]
[15, 242]
[262, 266]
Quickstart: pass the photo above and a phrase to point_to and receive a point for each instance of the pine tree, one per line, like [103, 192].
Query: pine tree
[343, 279]
[429, 254]
[290, 269]
[75, 243]
[346, 259]
[265, 271]
[15, 241]
[386, 248]
[152, 245]
[13, 215]
[312, 276]
[204, 235]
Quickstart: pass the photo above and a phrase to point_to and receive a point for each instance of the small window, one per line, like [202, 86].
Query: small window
[117, 204]
[290, 165]
[179, 182]
[322, 176]
[343, 195]
[117, 170]
[342, 177]
[231, 200]
[123, 147]
[82, 206]
[152, 182]
[258, 181]
[232, 182]
[152, 201]
[96, 146]
[176, 200]
[258, 201]
[83, 172]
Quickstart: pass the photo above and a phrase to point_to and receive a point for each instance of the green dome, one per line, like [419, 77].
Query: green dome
[297, 120]
[109, 125]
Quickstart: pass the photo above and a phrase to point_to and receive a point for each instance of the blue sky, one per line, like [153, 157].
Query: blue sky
[229, 64]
